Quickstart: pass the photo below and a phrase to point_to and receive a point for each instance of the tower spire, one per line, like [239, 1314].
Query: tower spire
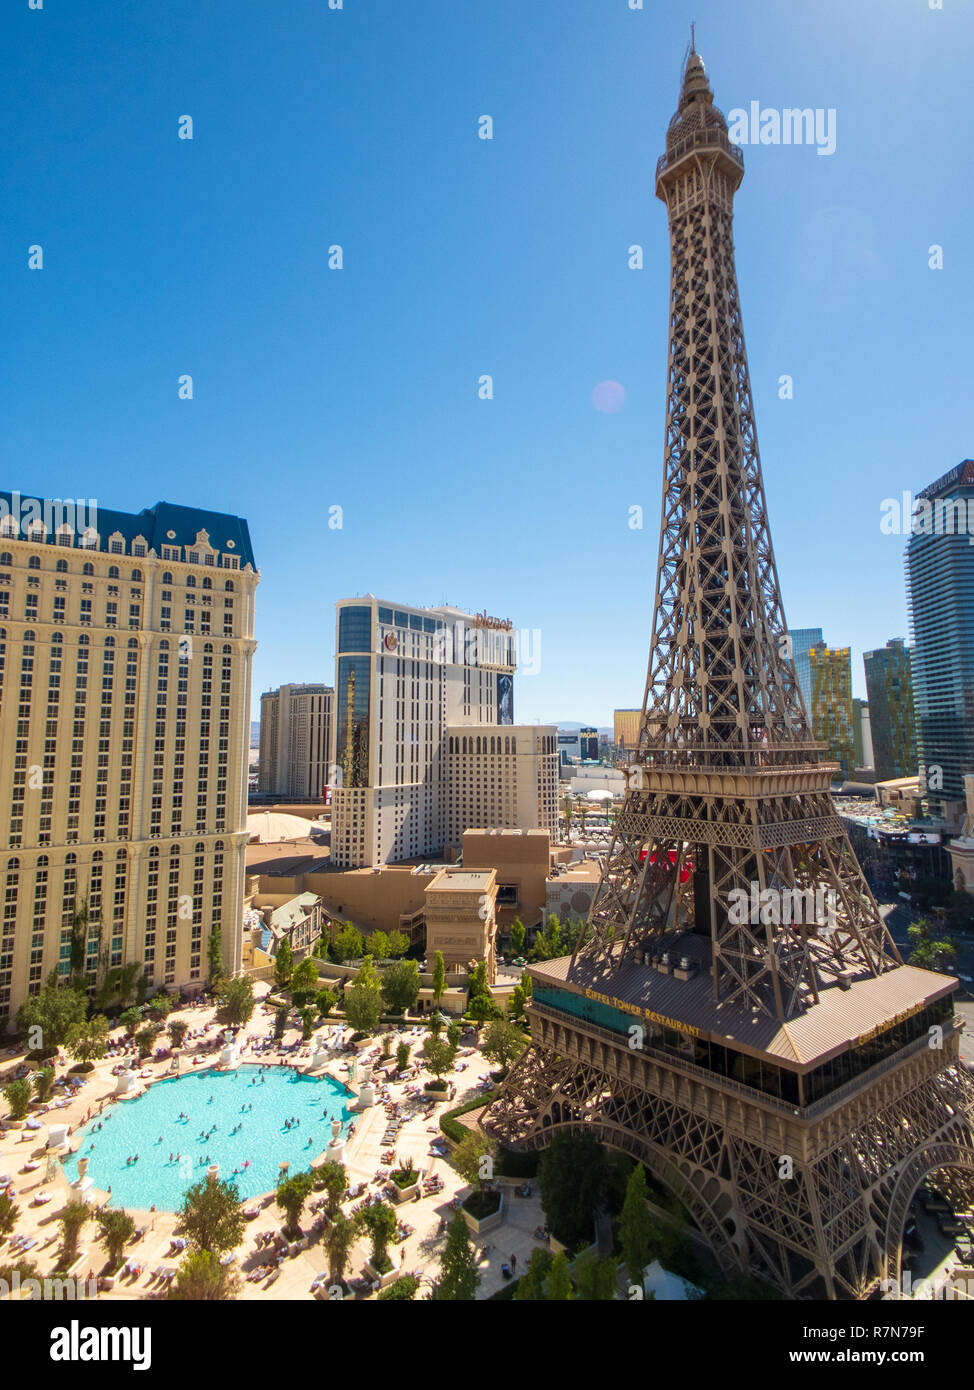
[731, 798]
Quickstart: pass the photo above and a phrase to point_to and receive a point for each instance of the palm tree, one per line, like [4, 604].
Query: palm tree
[117, 1227]
[72, 1218]
[338, 1239]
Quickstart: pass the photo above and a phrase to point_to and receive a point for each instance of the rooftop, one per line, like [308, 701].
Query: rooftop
[461, 881]
[840, 1019]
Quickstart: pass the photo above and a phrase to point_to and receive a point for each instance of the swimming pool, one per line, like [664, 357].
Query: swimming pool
[252, 1101]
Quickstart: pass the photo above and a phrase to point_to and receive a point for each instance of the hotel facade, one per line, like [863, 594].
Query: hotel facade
[295, 741]
[125, 671]
[425, 743]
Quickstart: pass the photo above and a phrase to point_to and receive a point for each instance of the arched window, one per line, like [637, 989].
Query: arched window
[87, 568]
[34, 563]
[113, 571]
[136, 576]
[56, 639]
[70, 859]
[228, 586]
[121, 854]
[61, 566]
[207, 646]
[6, 558]
[227, 649]
[190, 581]
[109, 641]
[133, 642]
[167, 577]
[207, 582]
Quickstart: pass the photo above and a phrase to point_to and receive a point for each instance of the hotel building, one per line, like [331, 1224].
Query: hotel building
[889, 686]
[295, 741]
[411, 685]
[125, 666]
[831, 707]
[940, 579]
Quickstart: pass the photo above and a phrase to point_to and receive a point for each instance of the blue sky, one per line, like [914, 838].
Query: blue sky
[358, 388]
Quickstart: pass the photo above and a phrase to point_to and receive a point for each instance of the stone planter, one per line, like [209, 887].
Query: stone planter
[480, 1226]
[405, 1194]
[384, 1279]
[436, 1092]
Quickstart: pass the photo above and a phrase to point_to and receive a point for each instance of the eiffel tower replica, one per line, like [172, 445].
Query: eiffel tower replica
[735, 1013]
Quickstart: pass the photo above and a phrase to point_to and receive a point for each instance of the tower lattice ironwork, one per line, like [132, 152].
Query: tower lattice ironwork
[728, 817]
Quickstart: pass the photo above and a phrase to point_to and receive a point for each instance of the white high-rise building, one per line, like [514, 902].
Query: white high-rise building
[295, 741]
[406, 680]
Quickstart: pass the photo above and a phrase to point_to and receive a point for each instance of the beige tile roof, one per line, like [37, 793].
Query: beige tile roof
[841, 1017]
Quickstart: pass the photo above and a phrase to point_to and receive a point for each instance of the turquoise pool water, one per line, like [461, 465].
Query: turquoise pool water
[213, 1103]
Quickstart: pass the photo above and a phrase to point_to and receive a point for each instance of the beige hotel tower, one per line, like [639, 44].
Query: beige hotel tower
[126, 643]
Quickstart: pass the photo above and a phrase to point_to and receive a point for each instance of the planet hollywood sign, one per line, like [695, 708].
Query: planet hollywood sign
[498, 624]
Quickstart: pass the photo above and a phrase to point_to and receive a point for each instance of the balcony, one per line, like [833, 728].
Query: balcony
[699, 139]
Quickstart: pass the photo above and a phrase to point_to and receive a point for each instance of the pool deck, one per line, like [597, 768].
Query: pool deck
[418, 1253]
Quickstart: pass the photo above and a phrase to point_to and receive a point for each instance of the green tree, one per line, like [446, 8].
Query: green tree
[379, 945]
[17, 1095]
[72, 1219]
[503, 1043]
[131, 1020]
[305, 977]
[338, 1239]
[515, 1007]
[402, 1056]
[280, 1020]
[54, 1011]
[596, 1280]
[160, 1006]
[202, 1279]
[210, 1217]
[637, 1230]
[363, 1007]
[477, 985]
[308, 1017]
[116, 1228]
[400, 986]
[236, 1001]
[79, 940]
[572, 1176]
[558, 1285]
[437, 1056]
[530, 1287]
[348, 944]
[292, 1194]
[214, 956]
[454, 1032]
[459, 1276]
[283, 963]
[88, 1041]
[8, 1214]
[334, 1177]
[930, 951]
[403, 1288]
[483, 1008]
[178, 1029]
[398, 944]
[473, 1158]
[439, 977]
[518, 933]
[367, 973]
[145, 1039]
[381, 1223]
[42, 1081]
[552, 941]
[325, 1001]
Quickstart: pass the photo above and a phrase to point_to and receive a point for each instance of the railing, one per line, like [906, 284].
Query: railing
[808, 1112]
[700, 138]
[727, 1083]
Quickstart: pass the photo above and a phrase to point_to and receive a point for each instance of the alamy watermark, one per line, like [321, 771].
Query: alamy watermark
[921, 516]
[791, 125]
[78, 513]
